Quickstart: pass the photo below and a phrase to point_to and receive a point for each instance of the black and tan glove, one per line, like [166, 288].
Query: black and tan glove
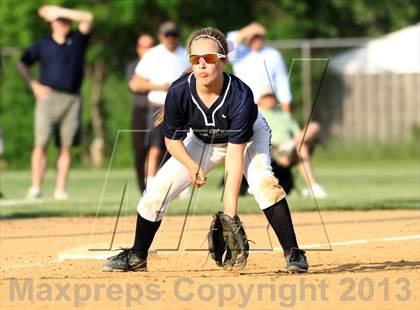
[226, 234]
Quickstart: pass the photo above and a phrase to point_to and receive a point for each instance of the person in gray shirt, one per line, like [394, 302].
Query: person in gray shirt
[140, 112]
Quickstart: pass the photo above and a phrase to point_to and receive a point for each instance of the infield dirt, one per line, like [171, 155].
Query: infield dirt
[376, 265]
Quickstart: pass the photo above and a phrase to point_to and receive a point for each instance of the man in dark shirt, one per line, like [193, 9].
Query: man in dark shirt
[140, 112]
[57, 93]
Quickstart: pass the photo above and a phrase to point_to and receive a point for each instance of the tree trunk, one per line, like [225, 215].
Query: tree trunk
[97, 148]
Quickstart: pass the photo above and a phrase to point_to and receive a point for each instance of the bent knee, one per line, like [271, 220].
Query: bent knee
[151, 209]
[260, 162]
[268, 191]
[153, 204]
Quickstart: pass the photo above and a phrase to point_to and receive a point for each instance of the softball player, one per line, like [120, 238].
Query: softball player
[222, 122]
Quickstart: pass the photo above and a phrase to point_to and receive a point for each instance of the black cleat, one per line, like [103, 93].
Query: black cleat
[125, 261]
[296, 260]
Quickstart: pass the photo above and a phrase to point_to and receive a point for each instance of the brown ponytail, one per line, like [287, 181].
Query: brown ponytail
[158, 116]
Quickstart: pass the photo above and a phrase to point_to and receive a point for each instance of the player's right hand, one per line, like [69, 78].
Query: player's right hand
[197, 177]
[40, 91]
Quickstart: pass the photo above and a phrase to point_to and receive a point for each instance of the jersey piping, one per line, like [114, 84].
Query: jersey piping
[213, 123]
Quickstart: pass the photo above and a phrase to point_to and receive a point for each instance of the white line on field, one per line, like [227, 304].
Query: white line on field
[67, 255]
[17, 202]
[22, 202]
[351, 242]
[78, 253]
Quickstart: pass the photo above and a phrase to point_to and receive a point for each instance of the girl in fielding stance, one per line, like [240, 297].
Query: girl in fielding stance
[218, 112]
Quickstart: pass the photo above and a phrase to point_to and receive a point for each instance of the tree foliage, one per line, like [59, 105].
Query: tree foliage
[118, 22]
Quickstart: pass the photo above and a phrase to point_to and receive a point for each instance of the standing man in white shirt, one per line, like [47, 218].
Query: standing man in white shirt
[258, 65]
[159, 67]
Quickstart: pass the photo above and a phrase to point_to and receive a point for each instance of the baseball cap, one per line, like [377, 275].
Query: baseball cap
[64, 20]
[169, 27]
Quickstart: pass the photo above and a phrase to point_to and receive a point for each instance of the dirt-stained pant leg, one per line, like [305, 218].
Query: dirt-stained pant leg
[172, 178]
[258, 172]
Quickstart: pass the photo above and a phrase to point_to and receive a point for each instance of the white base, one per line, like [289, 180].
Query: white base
[85, 252]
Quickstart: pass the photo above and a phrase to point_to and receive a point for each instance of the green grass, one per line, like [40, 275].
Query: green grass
[379, 184]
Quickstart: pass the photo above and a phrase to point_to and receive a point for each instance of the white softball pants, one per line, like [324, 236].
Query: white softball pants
[172, 177]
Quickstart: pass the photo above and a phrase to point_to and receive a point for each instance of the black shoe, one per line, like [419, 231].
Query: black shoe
[125, 261]
[296, 260]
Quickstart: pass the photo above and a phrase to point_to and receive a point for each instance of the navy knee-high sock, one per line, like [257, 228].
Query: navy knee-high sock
[145, 232]
[278, 216]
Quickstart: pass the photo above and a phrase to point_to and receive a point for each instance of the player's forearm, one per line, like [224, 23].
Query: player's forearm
[234, 164]
[25, 73]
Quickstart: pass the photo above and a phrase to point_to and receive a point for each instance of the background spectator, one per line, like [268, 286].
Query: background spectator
[57, 93]
[140, 112]
[259, 65]
[291, 145]
[159, 67]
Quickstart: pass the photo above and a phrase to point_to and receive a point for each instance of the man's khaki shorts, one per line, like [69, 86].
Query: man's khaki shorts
[58, 109]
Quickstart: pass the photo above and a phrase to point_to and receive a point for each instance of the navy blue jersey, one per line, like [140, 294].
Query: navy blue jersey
[229, 119]
[61, 64]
